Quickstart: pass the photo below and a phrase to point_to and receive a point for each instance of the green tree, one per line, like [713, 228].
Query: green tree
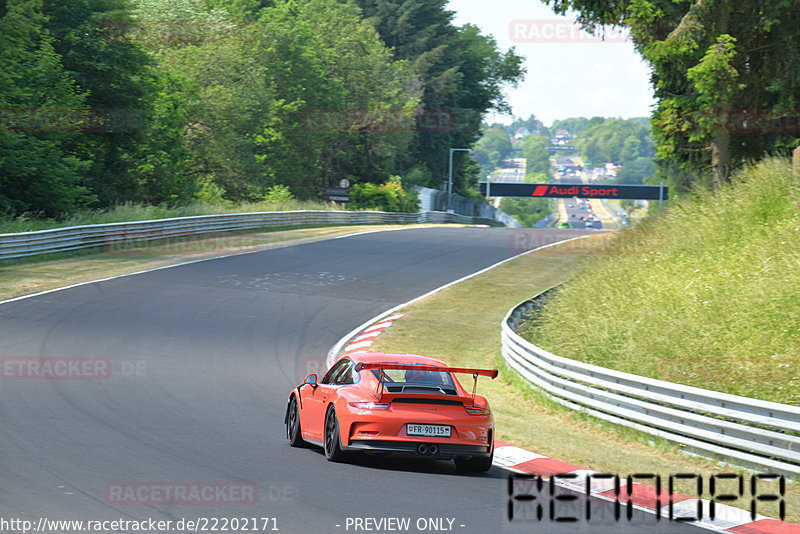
[459, 71]
[615, 140]
[636, 171]
[534, 150]
[352, 105]
[248, 10]
[43, 114]
[491, 149]
[631, 149]
[120, 84]
[305, 96]
[574, 125]
[195, 46]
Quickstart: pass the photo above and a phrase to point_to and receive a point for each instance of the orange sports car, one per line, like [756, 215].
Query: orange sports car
[393, 403]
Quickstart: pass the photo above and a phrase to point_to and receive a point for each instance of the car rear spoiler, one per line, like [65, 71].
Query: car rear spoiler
[491, 373]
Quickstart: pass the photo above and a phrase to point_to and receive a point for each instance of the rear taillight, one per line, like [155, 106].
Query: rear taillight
[370, 405]
[474, 410]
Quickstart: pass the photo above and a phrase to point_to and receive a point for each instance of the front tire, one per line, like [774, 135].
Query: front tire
[293, 432]
[333, 447]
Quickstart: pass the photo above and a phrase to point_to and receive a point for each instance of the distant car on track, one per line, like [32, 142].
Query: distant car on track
[393, 403]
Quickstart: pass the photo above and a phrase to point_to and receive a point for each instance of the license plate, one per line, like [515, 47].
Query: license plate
[428, 430]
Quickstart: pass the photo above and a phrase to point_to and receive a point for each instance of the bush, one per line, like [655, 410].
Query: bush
[278, 193]
[528, 211]
[417, 176]
[389, 196]
[210, 193]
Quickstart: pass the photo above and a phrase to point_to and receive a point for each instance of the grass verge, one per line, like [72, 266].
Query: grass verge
[460, 325]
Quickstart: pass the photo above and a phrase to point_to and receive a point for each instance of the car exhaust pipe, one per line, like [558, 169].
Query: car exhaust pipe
[423, 449]
[433, 449]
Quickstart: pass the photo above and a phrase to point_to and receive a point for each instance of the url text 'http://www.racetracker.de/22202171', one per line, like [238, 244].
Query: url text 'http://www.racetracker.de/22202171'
[149, 525]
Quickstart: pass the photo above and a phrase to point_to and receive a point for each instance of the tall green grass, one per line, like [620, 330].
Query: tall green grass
[141, 212]
[706, 293]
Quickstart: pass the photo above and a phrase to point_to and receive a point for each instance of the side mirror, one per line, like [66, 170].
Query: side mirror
[311, 380]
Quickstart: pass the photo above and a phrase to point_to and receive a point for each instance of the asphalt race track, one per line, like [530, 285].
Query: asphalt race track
[190, 369]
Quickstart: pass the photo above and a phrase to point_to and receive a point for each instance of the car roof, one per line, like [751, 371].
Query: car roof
[373, 357]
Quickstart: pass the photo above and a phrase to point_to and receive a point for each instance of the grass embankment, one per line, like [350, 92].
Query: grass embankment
[460, 325]
[705, 294]
[140, 212]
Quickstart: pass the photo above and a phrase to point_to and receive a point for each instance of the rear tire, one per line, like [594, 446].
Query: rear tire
[476, 464]
[293, 432]
[333, 447]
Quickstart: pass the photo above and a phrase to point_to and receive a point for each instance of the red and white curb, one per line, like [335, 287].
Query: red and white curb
[362, 342]
[643, 496]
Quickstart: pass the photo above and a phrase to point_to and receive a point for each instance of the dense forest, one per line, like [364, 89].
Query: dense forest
[175, 101]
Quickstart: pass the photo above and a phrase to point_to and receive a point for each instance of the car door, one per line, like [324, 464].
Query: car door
[315, 400]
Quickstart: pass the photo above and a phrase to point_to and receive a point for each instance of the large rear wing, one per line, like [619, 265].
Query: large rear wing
[491, 373]
[377, 366]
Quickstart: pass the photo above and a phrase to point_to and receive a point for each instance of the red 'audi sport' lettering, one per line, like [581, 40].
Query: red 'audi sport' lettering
[589, 191]
[582, 191]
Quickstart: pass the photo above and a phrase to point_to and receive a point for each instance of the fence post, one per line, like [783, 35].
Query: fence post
[796, 161]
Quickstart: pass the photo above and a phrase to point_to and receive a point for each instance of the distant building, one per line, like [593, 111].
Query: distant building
[561, 137]
[522, 133]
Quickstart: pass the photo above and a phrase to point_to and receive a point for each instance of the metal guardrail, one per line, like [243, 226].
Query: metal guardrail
[120, 234]
[436, 200]
[743, 431]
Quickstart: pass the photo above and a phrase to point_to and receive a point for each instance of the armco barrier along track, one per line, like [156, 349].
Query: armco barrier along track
[118, 234]
[743, 431]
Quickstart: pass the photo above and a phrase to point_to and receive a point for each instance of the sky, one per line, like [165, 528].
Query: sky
[569, 74]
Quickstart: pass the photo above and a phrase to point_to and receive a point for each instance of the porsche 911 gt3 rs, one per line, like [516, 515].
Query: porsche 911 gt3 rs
[393, 403]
